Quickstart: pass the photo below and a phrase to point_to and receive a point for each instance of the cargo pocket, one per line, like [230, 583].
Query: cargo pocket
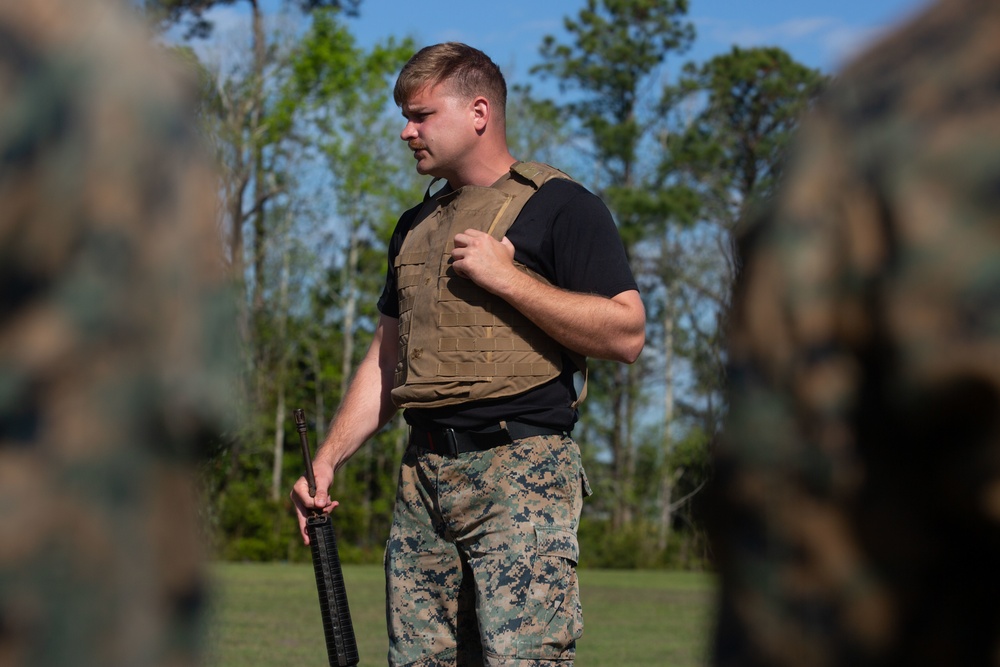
[553, 619]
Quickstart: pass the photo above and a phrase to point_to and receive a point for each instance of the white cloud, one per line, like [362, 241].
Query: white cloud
[827, 40]
[844, 43]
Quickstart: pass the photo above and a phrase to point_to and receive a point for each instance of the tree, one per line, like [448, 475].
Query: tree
[728, 154]
[615, 60]
[167, 13]
[749, 102]
[535, 128]
[242, 106]
[372, 182]
[270, 117]
[735, 115]
[334, 103]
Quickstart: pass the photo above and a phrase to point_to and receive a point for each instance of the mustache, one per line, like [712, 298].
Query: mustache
[414, 146]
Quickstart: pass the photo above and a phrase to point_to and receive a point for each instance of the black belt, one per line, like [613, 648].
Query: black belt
[449, 442]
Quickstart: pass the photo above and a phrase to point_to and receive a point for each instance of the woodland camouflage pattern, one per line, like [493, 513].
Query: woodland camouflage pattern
[113, 353]
[858, 489]
[512, 512]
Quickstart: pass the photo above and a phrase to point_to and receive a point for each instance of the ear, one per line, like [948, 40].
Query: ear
[480, 113]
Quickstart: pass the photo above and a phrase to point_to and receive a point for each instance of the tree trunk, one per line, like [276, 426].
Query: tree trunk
[619, 450]
[318, 400]
[667, 478]
[280, 374]
[349, 283]
[257, 153]
[349, 305]
[279, 444]
[631, 376]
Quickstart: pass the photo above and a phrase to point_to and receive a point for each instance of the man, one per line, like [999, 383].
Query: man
[858, 482]
[113, 342]
[497, 286]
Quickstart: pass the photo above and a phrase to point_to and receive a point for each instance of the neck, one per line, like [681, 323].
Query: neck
[482, 173]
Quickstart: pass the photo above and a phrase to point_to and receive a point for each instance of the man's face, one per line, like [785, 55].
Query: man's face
[439, 130]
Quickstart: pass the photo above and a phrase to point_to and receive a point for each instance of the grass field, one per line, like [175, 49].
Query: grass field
[267, 615]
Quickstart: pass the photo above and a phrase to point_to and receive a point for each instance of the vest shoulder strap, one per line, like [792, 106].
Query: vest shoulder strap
[537, 173]
[531, 174]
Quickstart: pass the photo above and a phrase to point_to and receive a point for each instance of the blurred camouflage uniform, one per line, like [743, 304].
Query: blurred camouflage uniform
[858, 488]
[113, 362]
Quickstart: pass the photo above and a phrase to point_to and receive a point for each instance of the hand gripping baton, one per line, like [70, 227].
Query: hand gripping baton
[341, 646]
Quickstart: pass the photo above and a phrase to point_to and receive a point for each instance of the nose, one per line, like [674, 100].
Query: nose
[409, 132]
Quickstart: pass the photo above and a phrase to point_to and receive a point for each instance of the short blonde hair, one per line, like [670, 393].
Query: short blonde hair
[468, 71]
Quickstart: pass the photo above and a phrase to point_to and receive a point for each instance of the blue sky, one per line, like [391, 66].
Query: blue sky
[818, 33]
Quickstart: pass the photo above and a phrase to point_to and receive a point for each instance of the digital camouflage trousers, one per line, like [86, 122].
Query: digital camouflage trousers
[481, 559]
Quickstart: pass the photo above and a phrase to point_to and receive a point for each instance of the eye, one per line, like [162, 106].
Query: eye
[415, 116]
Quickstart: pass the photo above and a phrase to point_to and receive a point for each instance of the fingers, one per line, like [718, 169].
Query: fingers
[303, 533]
[473, 242]
[303, 505]
[306, 504]
[468, 237]
[322, 498]
[324, 478]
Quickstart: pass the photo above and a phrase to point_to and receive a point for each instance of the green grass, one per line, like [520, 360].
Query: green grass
[267, 615]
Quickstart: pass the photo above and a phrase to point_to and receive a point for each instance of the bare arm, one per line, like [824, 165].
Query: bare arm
[590, 324]
[366, 408]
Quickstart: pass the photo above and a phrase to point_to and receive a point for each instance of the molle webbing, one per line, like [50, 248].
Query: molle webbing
[458, 342]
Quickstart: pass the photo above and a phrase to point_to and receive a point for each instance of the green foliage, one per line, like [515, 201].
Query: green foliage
[616, 53]
[166, 13]
[315, 178]
[248, 522]
[639, 543]
[647, 211]
[368, 488]
[536, 129]
[306, 110]
[734, 115]
[618, 45]
[751, 100]
[628, 548]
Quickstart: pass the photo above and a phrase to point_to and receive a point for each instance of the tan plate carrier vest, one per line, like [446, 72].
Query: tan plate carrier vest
[458, 342]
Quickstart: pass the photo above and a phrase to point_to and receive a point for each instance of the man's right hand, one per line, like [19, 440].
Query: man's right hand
[305, 504]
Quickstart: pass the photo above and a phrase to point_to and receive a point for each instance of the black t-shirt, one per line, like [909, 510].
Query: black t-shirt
[565, 233]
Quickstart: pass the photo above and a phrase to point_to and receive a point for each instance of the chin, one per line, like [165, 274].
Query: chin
[429, 171]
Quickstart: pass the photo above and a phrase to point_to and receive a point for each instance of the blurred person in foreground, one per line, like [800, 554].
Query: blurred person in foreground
[858, 487]
[113, 341]
[497, 285]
